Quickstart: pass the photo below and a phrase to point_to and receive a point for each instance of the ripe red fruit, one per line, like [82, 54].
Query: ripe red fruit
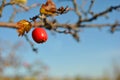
[39, 35]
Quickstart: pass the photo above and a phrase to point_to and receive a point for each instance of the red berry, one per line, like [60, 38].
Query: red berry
[39, 35]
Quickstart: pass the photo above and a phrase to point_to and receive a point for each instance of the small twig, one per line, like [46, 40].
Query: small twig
[98, 25]
[2, 6]
[31, 44]
[83, 12]
[34, 17]
[26, 8]
[101, 13]
[71, 32]
[11, 19]
[77, 9]
[64, 31]
[90, 7]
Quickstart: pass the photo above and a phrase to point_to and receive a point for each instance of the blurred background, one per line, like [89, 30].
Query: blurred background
[95, 57]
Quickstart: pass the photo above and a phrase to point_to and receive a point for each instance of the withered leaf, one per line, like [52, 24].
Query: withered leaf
[49, 8]
[23, 26]
[63, 10]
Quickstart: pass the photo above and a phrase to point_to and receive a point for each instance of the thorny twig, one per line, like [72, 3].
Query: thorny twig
[67, 28]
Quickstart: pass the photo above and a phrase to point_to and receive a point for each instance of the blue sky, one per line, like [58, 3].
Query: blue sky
[64, 56]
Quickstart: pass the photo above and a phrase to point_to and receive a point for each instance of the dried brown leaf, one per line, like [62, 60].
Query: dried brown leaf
[49, 8]
[23, 26]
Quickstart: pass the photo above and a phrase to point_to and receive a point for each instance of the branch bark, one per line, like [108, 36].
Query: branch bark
[8, 25]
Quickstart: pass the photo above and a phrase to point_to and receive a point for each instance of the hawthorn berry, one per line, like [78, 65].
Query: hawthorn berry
[39, 35]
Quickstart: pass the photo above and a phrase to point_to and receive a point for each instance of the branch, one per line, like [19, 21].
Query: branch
[76, 8]
[50, 25]
[98, 25]
[113, 27]
[8, 25]
[26, 8]
[101, 13]
[71, 29]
